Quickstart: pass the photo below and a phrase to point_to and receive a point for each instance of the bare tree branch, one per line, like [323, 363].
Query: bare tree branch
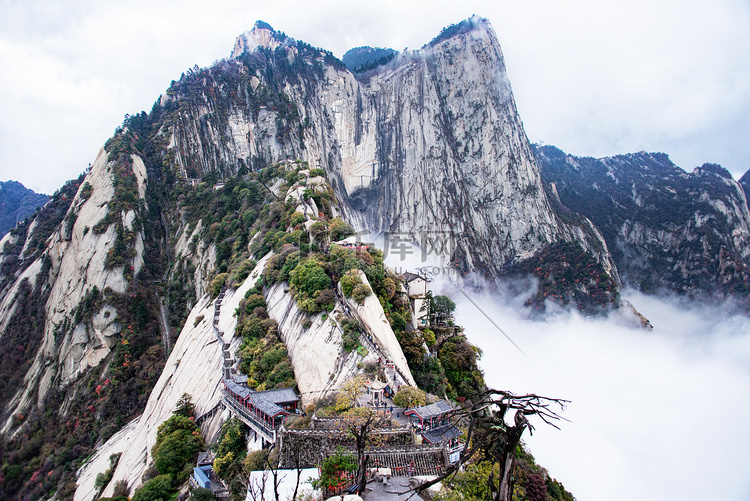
[488, 432]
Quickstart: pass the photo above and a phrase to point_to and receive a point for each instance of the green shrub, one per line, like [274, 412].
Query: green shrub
[408, 396]
[342, 259]
[319, 231]
[217, 283]
[309, 277]
[332, 469]
[231, 450]
[472, 483]
[243, 271]
[253, 327]
[390, 287]
[349, 281]
[177, 452]
[103, 224]
[340, 229]
[296, 219]
[121, 490]
[178, 441]
[254, 301]
[201, 494]
[325, 299]
[256, 460]
[86, 191]
[102, 479]
[156, 489]
[360, 292]
[290, 263]
[307, 304]
[398, 323]
[351, 341]
[185, 406]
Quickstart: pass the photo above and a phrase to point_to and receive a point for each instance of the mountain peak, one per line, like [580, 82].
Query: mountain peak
[475, 22]
[261, 35]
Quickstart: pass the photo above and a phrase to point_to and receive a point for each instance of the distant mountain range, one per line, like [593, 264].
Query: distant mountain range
[17, 203]
[665, 228]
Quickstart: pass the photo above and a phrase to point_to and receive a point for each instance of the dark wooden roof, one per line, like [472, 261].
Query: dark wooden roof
[279, 396]
[432, 410]
[437, 435]
[265, 401]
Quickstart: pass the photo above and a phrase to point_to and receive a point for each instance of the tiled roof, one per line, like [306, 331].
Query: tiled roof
[437, 435]
[266, 407]
[236, 389]
[265, 401]
[428, 411]
[279, 396]
[376, 385]
[413, 276]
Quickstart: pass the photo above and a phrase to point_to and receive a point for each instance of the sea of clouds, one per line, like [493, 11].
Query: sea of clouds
[654, 414]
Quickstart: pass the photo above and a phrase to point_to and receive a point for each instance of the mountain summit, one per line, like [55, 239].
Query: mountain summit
[261, 35]
[427, 147]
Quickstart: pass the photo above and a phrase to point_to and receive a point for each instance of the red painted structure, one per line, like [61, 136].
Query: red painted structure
[266, 408]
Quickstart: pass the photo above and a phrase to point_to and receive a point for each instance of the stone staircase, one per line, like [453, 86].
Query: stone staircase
[228, 368]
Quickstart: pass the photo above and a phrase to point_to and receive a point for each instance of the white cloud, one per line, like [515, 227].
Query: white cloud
[656, 414]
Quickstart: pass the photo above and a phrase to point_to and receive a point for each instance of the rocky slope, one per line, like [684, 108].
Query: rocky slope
[314, 345]
[745, 183]
[81, 266]
[16, 203]
[194, 367]
[422, 148]
[666, 228]
[84, 328]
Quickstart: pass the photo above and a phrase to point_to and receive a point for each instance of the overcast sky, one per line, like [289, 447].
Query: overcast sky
[594, 78]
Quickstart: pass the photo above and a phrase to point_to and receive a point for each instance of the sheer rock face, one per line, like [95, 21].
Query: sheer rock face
[194, 367]
[76, 260]
[320, 365]
[666, 228]
[94, 252]
[429, 146]
[450, 154]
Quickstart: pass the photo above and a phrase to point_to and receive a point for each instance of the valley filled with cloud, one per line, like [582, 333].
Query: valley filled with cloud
[654, 414]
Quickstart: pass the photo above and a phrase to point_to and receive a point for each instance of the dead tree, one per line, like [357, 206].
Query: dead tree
[495, 440]
[362, 425]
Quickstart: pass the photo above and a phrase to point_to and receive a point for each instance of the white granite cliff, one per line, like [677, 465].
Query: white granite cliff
[77, 257]
[427, 146]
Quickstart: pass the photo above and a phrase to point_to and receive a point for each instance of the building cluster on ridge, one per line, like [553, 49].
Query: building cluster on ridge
[420, 441]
